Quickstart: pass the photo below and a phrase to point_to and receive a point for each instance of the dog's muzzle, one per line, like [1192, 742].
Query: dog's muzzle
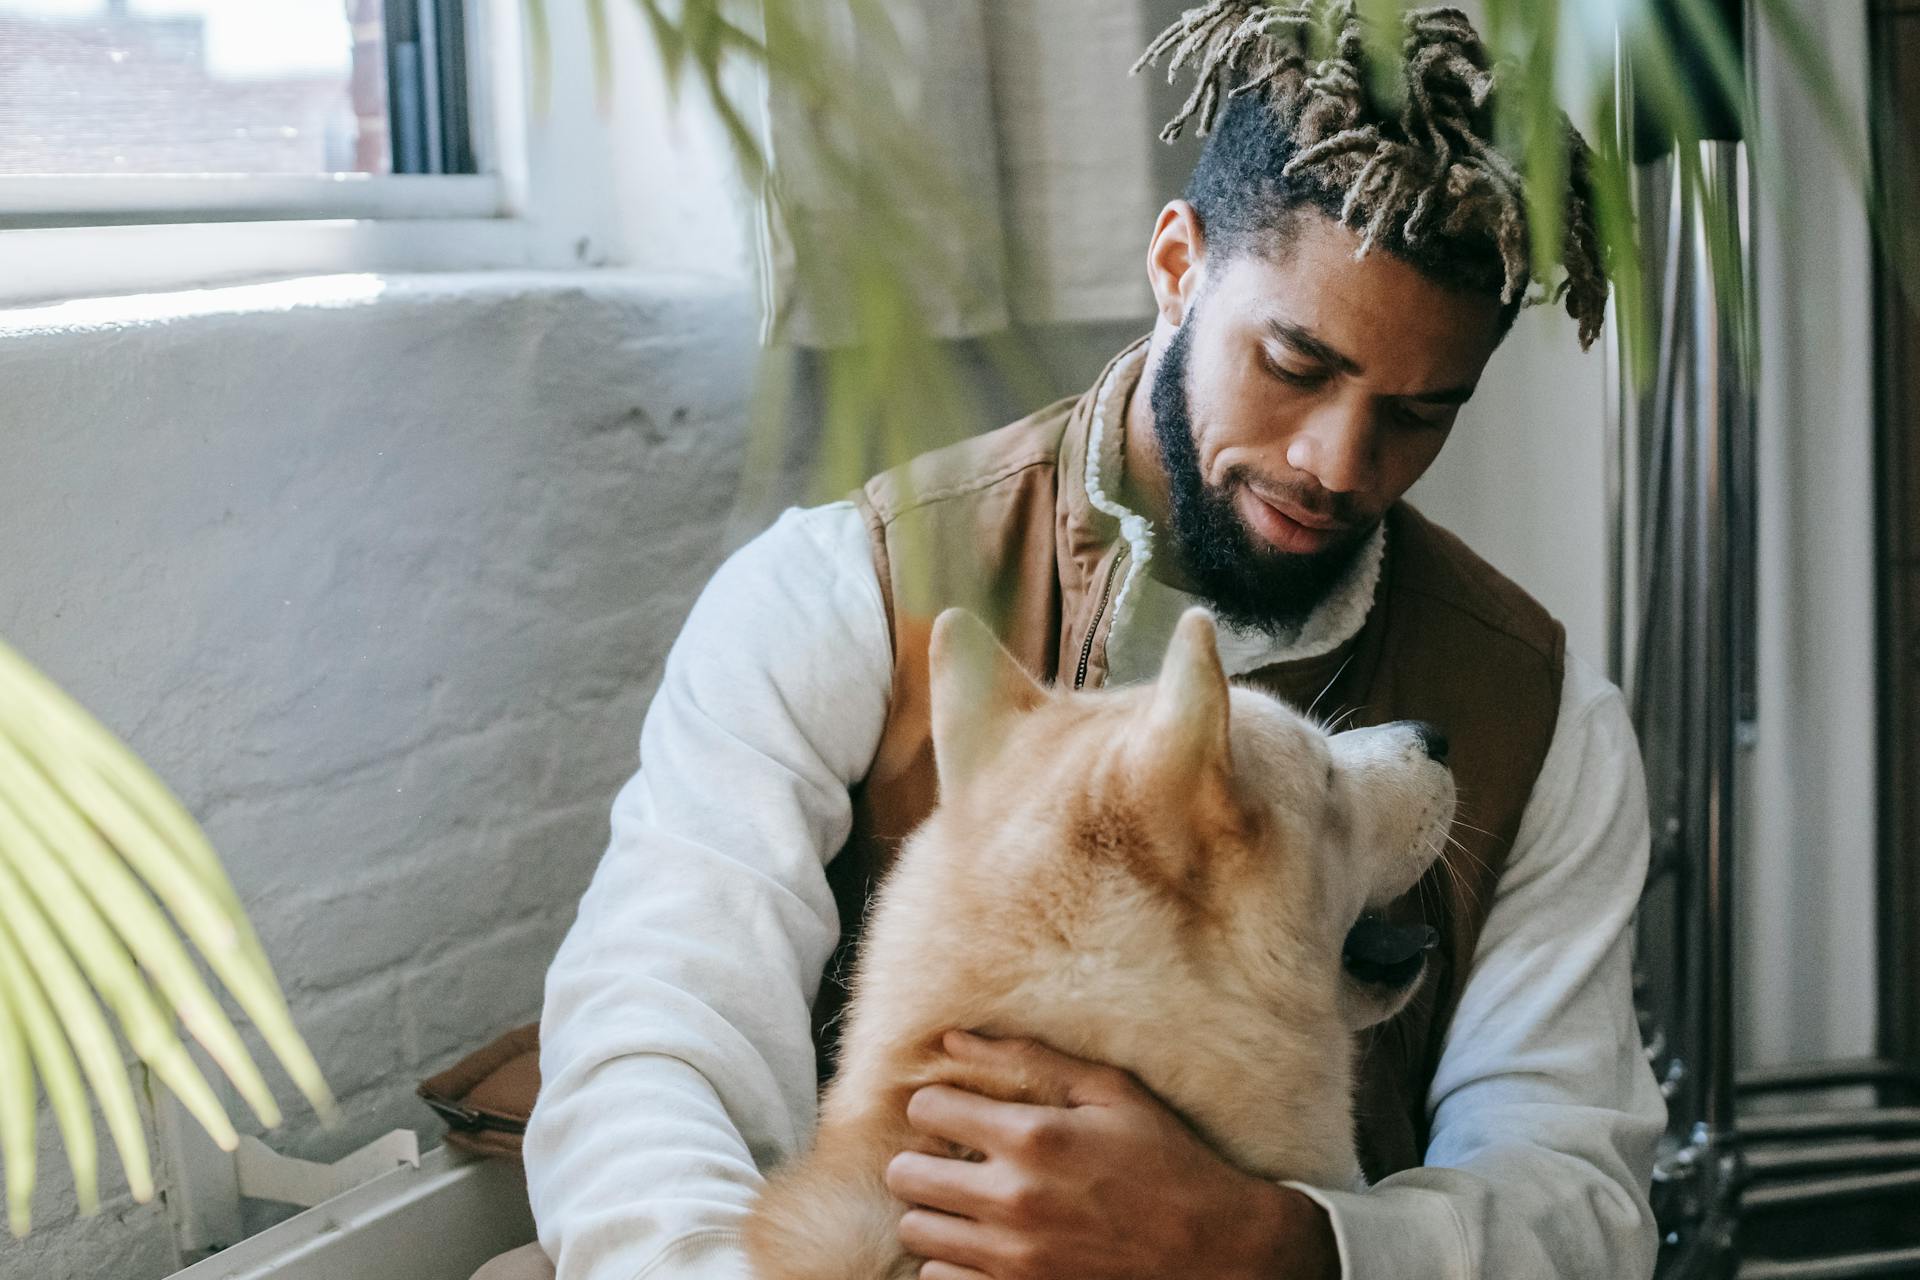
[1385, 954]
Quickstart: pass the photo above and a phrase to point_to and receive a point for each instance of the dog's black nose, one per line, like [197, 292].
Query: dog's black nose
[1432, 740]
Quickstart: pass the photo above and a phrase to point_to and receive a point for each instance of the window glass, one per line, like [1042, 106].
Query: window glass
[193, 87]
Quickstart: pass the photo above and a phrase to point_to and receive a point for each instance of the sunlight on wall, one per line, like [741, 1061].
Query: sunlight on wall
[89, 314]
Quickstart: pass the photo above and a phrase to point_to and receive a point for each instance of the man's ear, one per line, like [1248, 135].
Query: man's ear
[978, 689]
[1174, 260]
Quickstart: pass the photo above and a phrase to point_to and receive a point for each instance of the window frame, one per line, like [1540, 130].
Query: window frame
[543, 200]
[108, 200]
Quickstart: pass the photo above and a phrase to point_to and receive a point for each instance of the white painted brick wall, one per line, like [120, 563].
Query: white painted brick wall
[382, 590]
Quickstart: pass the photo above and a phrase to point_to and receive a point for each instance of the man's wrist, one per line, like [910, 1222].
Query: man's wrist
[1292, 1237]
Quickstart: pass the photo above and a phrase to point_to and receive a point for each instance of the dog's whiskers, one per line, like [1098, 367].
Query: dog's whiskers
[1460, 822]
[1467, 853]
[1334, 726]
[1329, 685]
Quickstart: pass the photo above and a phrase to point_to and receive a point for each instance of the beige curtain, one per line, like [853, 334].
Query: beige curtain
[1030, 104]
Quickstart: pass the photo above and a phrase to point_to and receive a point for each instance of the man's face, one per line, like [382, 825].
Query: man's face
[1297, 404]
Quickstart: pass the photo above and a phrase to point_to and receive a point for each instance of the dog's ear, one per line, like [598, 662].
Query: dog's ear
[978, 688]
[1185, 743]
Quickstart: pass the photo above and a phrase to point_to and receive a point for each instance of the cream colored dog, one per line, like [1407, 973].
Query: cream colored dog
[1160, 878]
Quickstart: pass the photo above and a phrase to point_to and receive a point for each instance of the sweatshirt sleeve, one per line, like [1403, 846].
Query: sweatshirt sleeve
[1545, 1114]
[676, 1052]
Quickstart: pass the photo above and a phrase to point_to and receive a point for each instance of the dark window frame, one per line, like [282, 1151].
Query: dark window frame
[1895, 45]
[430, 112]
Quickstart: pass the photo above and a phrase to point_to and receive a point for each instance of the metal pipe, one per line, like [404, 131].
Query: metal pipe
[1852, 1266]
[1836, 1073]
[1828, 1191]
[1840, 1122]
[1855, 1155]
[1719, 406]
[1692, 452]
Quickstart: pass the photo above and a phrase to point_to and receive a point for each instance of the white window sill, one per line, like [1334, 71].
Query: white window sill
[44, 265]
[76, 200]
[136, 311]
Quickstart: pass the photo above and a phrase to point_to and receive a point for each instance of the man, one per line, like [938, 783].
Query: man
[1328, 294]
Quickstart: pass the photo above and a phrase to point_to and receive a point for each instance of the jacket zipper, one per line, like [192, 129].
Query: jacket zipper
[1086, 650]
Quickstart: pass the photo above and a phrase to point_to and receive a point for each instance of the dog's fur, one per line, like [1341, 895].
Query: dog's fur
[1159, 878]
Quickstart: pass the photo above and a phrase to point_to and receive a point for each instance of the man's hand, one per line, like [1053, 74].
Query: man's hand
[1112, 1186]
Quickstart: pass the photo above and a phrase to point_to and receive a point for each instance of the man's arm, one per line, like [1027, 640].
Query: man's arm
[1545, 1113]
[676, 1052]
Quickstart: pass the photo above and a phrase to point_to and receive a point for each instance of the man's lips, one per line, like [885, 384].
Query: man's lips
[1286, 526]
[1301, 516]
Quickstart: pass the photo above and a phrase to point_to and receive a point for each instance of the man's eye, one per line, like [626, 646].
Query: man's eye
[1419, 422]
[1294, 377]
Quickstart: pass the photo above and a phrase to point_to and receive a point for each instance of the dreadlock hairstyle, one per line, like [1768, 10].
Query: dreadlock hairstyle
[1283, 88]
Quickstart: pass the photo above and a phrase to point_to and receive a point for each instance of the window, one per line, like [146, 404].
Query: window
[157, 145]
[169, 110]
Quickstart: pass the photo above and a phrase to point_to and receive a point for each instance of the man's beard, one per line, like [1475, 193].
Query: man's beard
[1247, 582]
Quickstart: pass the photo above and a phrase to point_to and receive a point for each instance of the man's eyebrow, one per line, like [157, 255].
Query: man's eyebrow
[1307, 343]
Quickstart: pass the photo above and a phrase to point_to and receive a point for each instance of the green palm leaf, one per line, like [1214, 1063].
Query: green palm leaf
[104, 881]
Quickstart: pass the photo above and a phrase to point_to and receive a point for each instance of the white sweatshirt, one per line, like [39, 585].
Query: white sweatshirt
[675, 1047]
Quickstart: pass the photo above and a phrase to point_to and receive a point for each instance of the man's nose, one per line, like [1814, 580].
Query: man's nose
[1335, 446]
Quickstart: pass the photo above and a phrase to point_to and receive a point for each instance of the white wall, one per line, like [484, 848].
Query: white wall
[1809, 950]
[1521, 477]
[378, 575]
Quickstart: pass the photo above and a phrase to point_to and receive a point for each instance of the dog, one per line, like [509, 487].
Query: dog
[1161, 878]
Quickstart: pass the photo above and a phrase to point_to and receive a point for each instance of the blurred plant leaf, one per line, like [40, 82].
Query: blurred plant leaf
[863, 142]
[25, 1004]
[895, 390]
[101, 872]
[1619, 232]
[540, 55]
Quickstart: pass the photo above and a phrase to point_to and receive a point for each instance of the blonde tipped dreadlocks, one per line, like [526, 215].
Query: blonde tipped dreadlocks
[1428, 175]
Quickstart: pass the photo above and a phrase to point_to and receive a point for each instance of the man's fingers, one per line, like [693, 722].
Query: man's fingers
[947, 1271]
[1084, 1083]
[962, 1187]
[984, 1124]
[942, 1237]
